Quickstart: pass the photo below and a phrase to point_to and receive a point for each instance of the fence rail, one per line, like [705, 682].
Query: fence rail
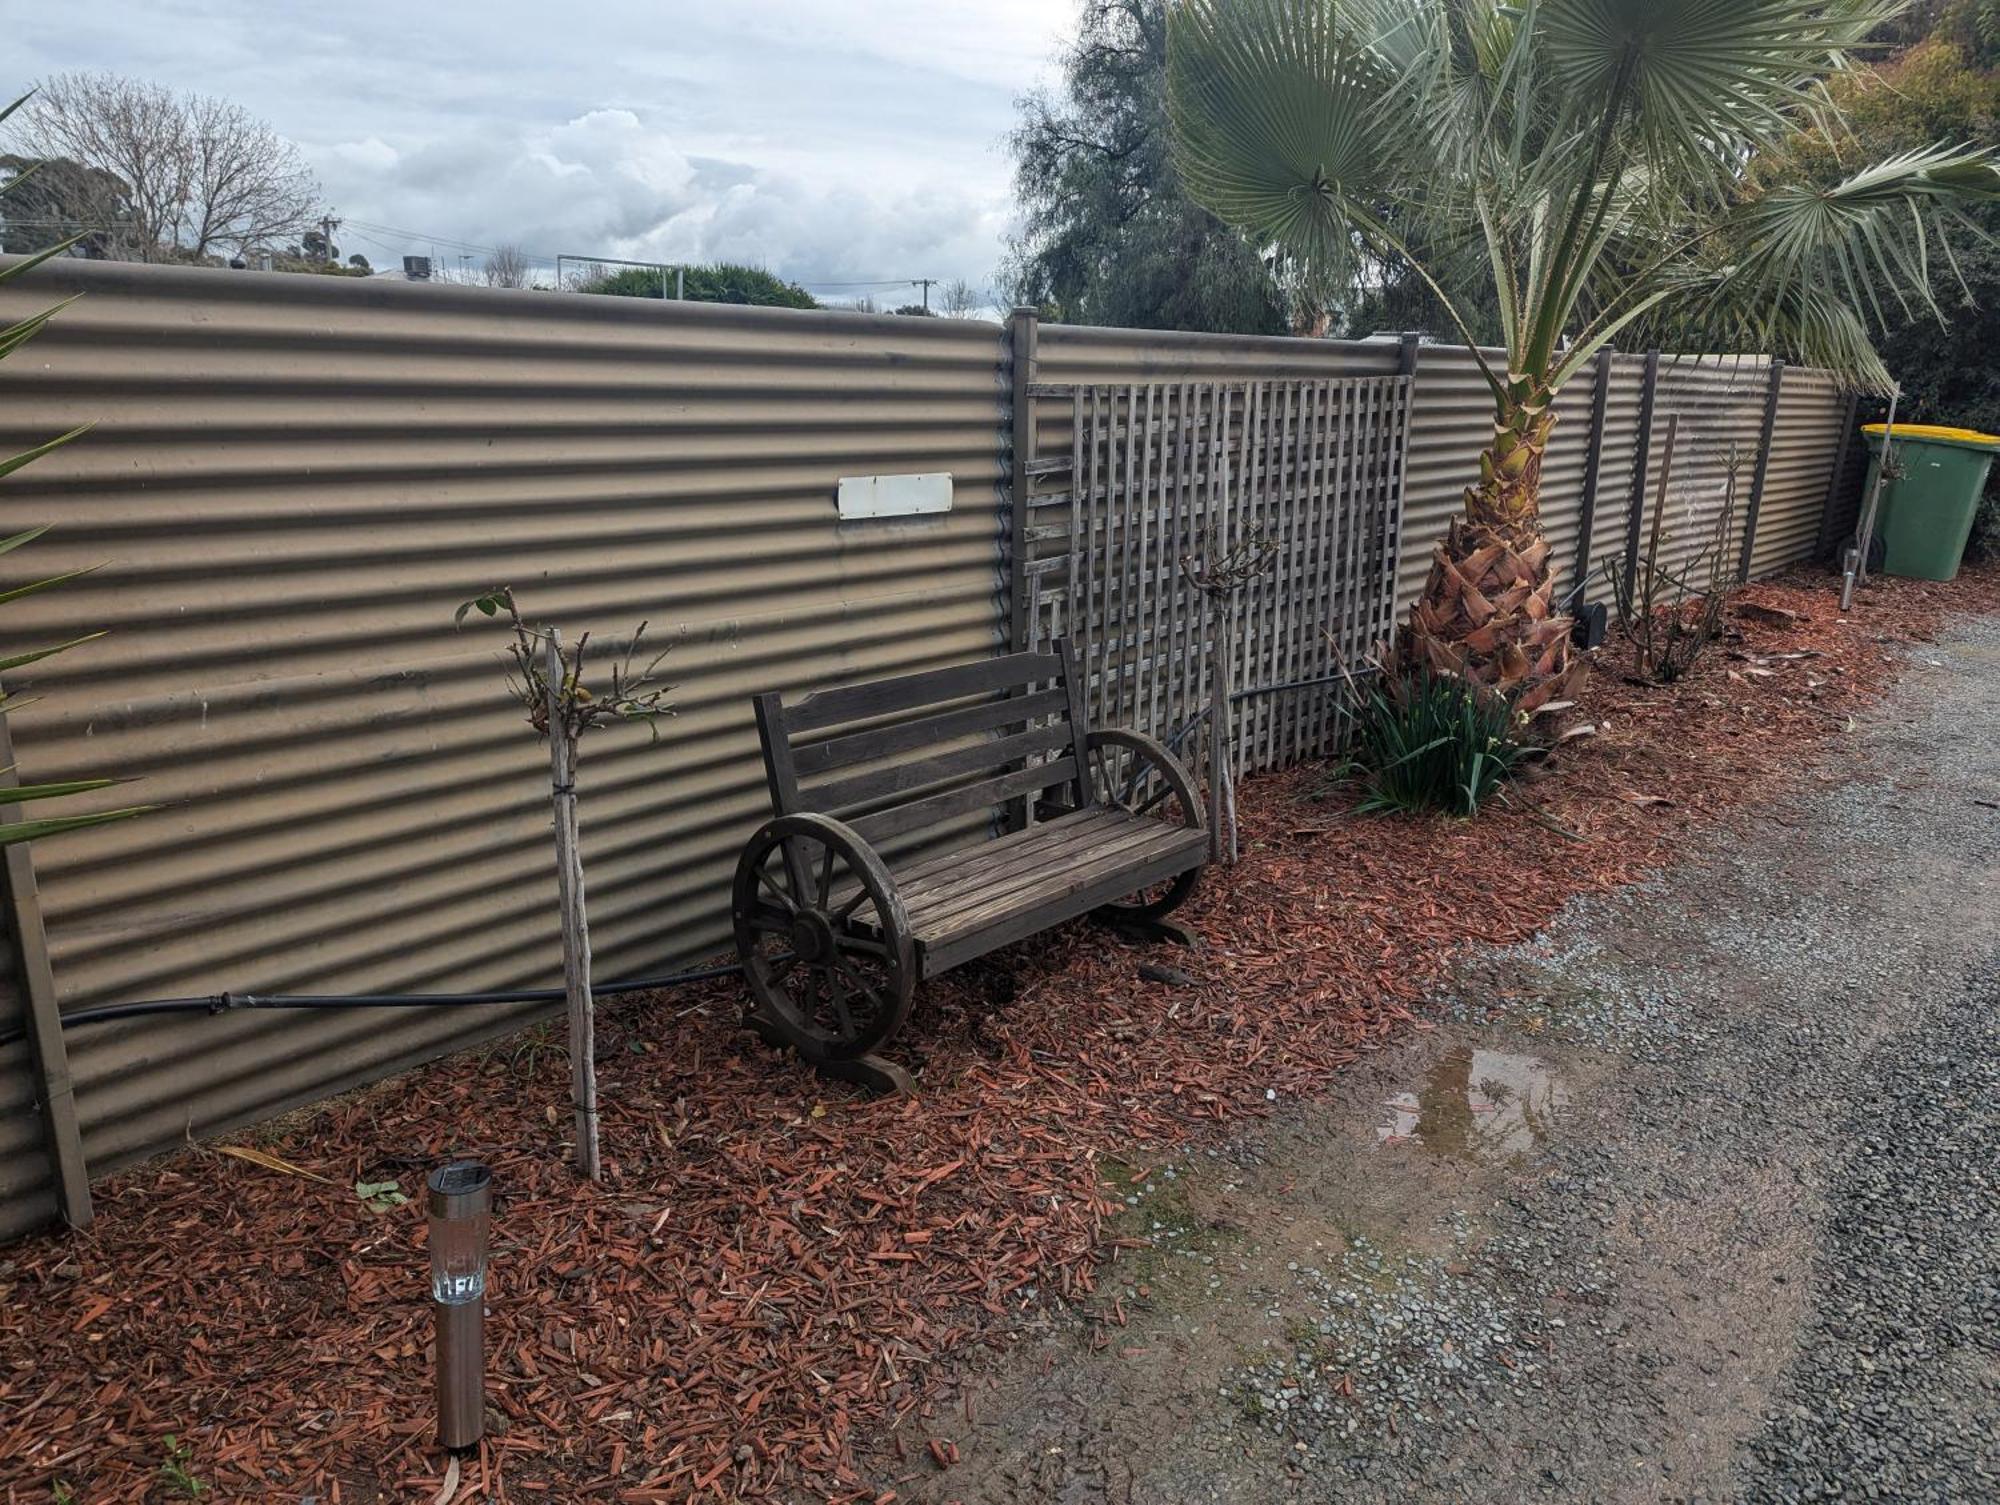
[291, 481]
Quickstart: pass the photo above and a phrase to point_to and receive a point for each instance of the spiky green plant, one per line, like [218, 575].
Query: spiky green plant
[11, 340]
[1592, 159]
[1428, 741]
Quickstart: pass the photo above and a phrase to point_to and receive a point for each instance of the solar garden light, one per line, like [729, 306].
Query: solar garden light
[461, 1201]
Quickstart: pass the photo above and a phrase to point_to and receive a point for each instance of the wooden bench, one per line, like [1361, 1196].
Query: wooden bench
[921, 821]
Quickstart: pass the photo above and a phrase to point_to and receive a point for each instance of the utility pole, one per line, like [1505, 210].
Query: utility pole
[925, 284]
[327, 225]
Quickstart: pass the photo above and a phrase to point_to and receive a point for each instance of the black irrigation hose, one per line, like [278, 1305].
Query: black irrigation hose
[226, 1003]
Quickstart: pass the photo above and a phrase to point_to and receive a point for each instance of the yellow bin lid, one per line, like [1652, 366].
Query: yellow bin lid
[1937, 431]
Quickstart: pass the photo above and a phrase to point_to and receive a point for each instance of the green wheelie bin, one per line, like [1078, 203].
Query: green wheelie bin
[1930, 497]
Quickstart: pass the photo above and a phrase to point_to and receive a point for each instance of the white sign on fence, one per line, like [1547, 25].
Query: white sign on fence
[895, 496]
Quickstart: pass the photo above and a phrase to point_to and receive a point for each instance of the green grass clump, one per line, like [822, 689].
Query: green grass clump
[1427, 741]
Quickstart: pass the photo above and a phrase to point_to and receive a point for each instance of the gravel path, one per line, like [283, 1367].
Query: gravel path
[1692, 1197]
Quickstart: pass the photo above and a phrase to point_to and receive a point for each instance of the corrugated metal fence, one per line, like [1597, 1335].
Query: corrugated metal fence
[292, 483]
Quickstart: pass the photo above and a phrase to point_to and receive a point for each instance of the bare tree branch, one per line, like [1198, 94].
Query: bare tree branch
[507, 267]
[201, 175]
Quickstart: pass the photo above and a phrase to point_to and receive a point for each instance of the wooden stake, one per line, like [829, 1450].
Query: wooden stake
[575, 929]
[1221, 757]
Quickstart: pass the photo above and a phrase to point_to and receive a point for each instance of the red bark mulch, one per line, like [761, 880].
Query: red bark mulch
[774, 1265]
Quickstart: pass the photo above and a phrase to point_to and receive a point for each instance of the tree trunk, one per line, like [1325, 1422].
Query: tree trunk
[1488, 613]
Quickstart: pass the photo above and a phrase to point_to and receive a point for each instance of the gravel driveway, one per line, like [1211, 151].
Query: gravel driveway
[1692, 1198]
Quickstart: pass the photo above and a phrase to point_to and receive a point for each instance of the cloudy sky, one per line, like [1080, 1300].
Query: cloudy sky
[833, 141]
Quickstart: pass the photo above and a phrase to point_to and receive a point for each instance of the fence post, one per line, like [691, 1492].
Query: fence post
[1763, 468]
[1022, 332]
[1849, 413]
[1636, 515]
[48, 1059]
[1593, 466]
[1406, 361]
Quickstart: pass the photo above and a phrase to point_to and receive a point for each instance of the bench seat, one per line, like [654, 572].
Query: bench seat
[964, 903]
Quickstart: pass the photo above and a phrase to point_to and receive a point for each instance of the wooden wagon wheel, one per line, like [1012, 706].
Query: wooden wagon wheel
[1132, 772]
[823, 937]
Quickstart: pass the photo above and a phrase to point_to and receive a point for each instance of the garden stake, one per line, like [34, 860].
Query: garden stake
[575, 932]
[1217, 578]
[1864, 532]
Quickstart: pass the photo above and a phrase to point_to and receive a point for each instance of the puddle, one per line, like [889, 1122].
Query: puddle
[1478, 1105]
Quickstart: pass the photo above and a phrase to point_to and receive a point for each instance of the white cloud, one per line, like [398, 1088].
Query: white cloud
[827, 139]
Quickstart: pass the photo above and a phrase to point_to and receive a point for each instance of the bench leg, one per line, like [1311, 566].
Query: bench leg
[878, 1074]
[1143, 929]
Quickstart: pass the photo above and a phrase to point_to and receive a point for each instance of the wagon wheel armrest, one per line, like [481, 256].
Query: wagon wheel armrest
[838, 833]
[1137, 771]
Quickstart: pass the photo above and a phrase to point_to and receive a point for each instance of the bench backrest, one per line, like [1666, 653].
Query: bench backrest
[897, 756]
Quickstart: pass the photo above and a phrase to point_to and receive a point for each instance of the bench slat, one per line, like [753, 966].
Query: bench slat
[987, 755]
[928, 812]
[849, 748]
[939, 910]
[940, 867]
[909, 692]
[1069, 894]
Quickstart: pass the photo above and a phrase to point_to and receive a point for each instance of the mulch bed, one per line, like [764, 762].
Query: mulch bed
[774, 1268]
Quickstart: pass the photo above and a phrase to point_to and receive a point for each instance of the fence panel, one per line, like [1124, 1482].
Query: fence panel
[1720, 405]
[292, 482]
[1813, 413]
[1165, 472]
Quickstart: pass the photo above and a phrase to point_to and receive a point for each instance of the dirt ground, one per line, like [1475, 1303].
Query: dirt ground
[1691, 1197]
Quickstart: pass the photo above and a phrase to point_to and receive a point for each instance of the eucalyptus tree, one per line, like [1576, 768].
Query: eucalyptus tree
[1597, 153]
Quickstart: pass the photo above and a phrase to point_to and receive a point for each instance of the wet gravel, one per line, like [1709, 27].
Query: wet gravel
[1756, 1258]
[1413, 1342]
[1791, 1206]
[1900, 1398]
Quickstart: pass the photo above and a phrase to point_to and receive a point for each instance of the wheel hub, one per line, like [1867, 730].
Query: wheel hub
[812, 936]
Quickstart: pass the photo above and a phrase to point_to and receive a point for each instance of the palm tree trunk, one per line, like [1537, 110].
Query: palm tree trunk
[1487, 613]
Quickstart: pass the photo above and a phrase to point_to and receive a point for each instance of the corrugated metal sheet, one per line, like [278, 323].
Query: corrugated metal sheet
[1805, 441]
[1720, 403]
[292, 483]
[1614, 477]
[1451, 423]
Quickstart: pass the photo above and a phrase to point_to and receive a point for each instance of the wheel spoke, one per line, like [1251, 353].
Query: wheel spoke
[861, 945]
[836, 993]
[769, 920]
[784, 899]
[1164, 793]
[846, 911]
[826, 876]
[861, 984]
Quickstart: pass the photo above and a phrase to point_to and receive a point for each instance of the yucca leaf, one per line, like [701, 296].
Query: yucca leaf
[41, 585]
[18, 660]
[9, 545]
[12, 832]
[21, 268]
[20, 794]
[28, 457]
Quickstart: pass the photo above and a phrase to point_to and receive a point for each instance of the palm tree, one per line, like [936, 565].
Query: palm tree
[1593, 159]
